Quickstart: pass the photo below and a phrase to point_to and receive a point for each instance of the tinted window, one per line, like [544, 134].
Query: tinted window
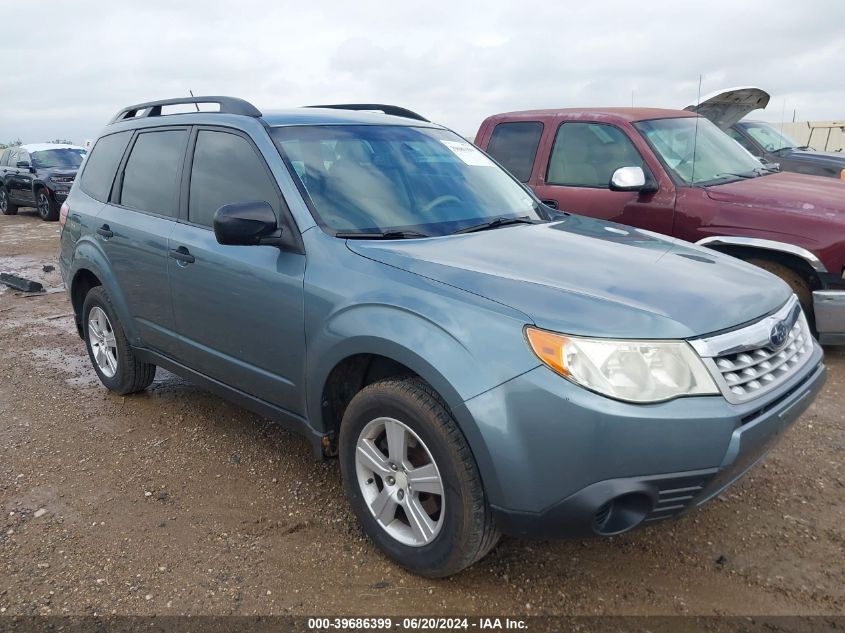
[587, 154]
[514, 145]
[226, 169]
[101, 165]
[152, 173]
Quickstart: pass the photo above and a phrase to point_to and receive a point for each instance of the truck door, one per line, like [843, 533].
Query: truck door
[577, 176]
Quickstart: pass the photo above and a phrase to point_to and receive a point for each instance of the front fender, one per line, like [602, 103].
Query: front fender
[395, 334]
[430, 351]
[89, 257]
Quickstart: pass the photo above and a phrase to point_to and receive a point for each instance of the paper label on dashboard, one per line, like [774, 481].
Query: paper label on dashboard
[468, 153]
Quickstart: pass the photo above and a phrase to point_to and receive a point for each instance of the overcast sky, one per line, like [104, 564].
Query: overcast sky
[74, 64]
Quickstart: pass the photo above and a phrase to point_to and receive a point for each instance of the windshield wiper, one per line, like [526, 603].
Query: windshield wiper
[379, 235]
[495, 223]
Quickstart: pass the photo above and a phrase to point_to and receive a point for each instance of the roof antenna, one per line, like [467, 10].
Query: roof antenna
[196, 105]
[695, 137]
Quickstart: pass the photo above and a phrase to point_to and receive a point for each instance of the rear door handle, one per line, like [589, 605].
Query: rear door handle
[181, 254]
[105, 231]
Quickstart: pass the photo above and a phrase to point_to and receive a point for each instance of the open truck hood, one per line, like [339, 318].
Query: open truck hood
[726, 107]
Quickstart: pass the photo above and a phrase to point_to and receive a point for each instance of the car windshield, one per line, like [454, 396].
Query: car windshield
[66, 157]
[770, 138]
[390, 178]
[698, 152]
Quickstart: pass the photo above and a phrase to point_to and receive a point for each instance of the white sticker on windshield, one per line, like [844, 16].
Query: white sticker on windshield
[468, 154]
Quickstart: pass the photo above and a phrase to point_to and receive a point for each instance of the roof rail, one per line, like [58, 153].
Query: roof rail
[379, 107]
[228, 105]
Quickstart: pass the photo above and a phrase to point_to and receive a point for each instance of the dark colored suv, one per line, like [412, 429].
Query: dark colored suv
[479, 364]
[38, 175]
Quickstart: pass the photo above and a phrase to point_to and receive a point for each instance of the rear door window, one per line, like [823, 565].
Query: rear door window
[514, 145]
[587, 154]
[226, 169]
[100, 167]
[153, 172]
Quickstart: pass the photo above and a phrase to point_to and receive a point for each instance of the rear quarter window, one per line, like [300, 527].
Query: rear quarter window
[514, 145]
[100, 167]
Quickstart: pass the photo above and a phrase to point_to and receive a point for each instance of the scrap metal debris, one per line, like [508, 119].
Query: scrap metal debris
[19, 283]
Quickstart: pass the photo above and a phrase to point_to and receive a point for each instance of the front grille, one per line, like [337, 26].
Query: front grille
[749, 372]
[746, 363]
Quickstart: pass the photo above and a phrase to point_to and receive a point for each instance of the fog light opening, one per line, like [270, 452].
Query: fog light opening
[622, 513]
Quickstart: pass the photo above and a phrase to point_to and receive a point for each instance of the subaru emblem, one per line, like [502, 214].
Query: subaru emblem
[778, 335]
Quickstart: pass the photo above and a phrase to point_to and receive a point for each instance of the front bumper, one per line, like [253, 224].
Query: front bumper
[829, 308]
[570, 463]
[59, 193]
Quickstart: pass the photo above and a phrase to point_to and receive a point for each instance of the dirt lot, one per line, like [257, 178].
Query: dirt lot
[175, 502]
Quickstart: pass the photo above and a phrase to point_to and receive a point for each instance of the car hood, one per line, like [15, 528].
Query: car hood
[587, 277]
[811, 156]
[726, 107]
[786, 191]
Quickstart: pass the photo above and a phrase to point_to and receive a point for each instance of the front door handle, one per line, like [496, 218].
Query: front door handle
[105, 231]
[182, 255]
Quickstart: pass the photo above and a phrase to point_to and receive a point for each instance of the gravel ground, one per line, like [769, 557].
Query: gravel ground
[175, 502]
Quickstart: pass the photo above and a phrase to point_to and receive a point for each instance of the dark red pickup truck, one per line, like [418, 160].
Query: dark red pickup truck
[676, 173]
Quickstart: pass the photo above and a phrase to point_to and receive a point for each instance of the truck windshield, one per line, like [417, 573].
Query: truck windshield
[390, 179]
[701, 156]
[770, 138]
[51, 158]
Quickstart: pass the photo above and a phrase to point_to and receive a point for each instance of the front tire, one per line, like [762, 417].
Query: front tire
[48, 210]
[109, 349]
[7, 207]
[412, 480]
[794, 280]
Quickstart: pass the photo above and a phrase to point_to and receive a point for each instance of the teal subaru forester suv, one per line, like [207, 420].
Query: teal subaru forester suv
[480, 363]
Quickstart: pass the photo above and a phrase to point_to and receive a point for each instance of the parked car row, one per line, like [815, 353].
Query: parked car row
[480, 363]
[38, 175]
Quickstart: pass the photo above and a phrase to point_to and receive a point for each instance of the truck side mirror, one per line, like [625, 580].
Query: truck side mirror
[627, 179]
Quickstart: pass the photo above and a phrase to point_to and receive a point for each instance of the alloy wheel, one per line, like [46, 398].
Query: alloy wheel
[102, 340]
[400, 481]
[43, 205]
[4, 201]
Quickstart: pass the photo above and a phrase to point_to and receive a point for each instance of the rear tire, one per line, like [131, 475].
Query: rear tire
[48, 210]
[388, 488]
[7, 207]
[108, 348]
[800, 286]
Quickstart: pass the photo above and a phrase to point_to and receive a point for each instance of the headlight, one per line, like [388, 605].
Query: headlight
[635, 371]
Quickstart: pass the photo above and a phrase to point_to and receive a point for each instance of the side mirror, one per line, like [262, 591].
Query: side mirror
[628, 179]
[247, 224]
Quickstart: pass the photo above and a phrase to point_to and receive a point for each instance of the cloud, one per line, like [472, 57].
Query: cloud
[453, 62]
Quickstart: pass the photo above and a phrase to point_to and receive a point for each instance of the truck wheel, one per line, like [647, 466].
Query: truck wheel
[108, 348]
[6, 205]
[412, 480]
[795, 281]
[48, 210]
